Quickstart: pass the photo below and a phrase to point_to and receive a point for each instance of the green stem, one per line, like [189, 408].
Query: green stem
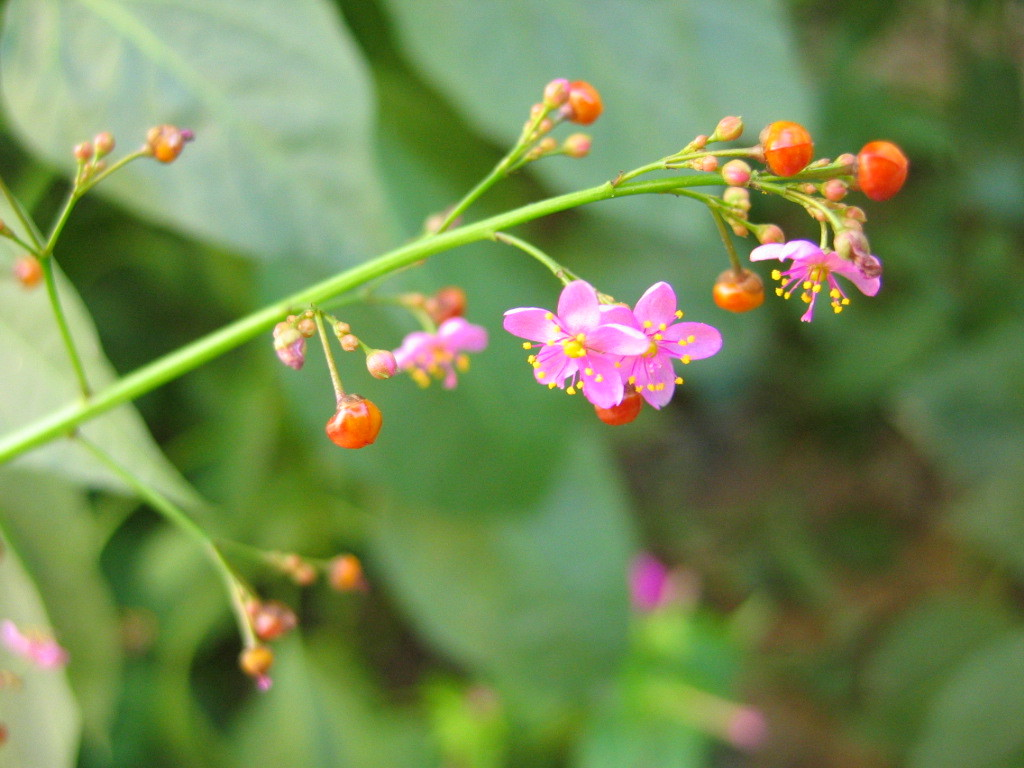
[64, 329]
[339, 391]
[179, 362]
[723, 231]
[173, 514]
[26, 222]
[563, 274]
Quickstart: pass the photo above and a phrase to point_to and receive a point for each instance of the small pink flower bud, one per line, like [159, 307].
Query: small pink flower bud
[728, 129]
[834, 190]
[307, 327]
[851, 243]
[341, 328]
[289, 345]
[104, 143]
[708, 164]
[699, 142]
[577, 145]
[272, 619]
[737, 197]
[556, 93]
[855, 213]
[848, 161]
[770, 233]
[739, 230]
[349, 342]
[83, 152]
[736, 173]
[381, 364]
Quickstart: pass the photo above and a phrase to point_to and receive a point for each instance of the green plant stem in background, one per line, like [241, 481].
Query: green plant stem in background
[63, 421]
[173, 514]
[723, 232]
[563, 274]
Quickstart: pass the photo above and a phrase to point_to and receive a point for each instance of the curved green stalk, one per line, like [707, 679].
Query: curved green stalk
[64, 420]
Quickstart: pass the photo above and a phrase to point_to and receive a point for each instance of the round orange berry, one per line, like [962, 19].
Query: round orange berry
[256, 661]
[624, 412]
[787, 147]
[584, 104]
[355, 424]
[28, 271]
[738, 292]
[881, 169]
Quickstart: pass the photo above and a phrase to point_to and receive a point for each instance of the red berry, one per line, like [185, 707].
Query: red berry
[624, 412]
[787, 147]
[738, 293]
[881, 169]
[28, 271]
[584, 105]
[447, 303]
[356, 422]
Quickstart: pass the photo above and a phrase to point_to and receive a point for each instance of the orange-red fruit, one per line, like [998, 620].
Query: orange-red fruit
[738, 293]
[624, 412]
[256, 661]
[356, 422]
[28, 271]
[881, 169]
[165, 142]
[447, 303]
[584, 103]
[345, 574]
[787, 147]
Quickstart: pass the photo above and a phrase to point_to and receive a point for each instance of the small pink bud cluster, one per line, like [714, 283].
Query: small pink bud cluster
[290, 338]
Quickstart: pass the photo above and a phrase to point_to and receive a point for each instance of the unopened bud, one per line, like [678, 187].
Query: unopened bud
[556, 93]
[28, 271]
[736, 173]
[770, 233]
[834, 190]
[447, 303]
[272, 619]
[83, 152]
[289, 345]
[708, 164]
[165, 142]
[577, 145]
[345, 574]
[104, 143]
[851, 243]
[728, 129]
[737, 197]
[349, 343]
[381, 364]
[256, 663]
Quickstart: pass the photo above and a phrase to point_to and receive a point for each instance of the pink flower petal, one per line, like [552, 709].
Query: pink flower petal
[532, 323]
[707, 340]
[657, 305]
[578, 307]
[602, 383]
[617, 339]
[461, 335]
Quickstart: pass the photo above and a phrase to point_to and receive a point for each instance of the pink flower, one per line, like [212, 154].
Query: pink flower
[655, 315]
[649, 583]
[577, 344]
[438, 355]
[41, 650]
[812, 268]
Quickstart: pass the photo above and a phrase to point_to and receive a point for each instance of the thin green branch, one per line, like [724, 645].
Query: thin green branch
[179, 362]
[563, 274]
[177, 517]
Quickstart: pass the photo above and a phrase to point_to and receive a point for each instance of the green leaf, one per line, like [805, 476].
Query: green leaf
[276, 94]
[319, 713]
[665, 71]
[975, 721]
[533, 600]
[66, 570]
[40, 716]
[37, 378]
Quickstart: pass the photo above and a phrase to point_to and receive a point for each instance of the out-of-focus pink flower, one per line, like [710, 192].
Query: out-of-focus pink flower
[439, 355]
[578, 344]
[656, 316]
[41, 650]
[747, 729]
[812, 268]
[649, 582]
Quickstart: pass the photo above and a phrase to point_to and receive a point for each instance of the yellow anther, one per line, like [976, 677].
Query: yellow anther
[779, 292]
[651, 350]
[599, 378]
[570, 390]
[631, 380]
[588, 371]
[662, 326]
[679, 379]
[541, 374]
[648, 323]
[685, 359]
[690, 339]
[845, 301]
[549, 315]
[551, 385]
[816, 288]
[807, 285]
[776, 274]
[527, 345]
[658, 336]
[462, 363]
[679, 314]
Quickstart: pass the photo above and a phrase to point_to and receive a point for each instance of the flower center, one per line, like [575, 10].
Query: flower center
[575, 347]
[652, 350]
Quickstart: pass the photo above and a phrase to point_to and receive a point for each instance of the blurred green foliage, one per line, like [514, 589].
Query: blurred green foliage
[849, 492]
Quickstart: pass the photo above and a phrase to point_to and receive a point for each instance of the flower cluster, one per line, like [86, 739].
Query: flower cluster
[439, 355]
[608, 351]
[41, 650]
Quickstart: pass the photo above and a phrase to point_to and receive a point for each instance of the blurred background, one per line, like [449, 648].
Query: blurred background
[839, 505]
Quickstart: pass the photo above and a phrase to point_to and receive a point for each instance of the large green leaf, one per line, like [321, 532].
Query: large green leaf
[533, 600]
[666, 72]
[40, 716]
[975, 721]
[37, 377]
[66, 570]
[275, 91]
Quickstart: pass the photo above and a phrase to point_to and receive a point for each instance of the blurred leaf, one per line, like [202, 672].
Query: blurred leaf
[966, 412]
[274, 89]
[912, 661]
[36, 378]
[975, 721]
[665, 71]
[40, 716]
[533, 601]
[66, 569]
[320, 714]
